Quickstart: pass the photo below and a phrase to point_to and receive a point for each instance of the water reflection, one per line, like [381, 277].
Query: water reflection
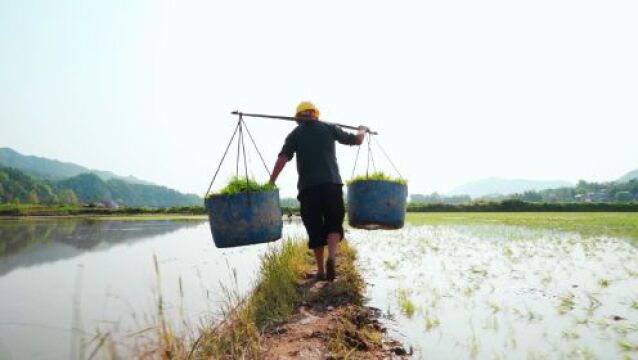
[62, 281]
[27, 243]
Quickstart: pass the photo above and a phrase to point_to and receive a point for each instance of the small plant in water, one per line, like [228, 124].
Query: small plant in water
[628, 346]
[567, 303]
[495, 306]
[390, 265]
[377, 176]
[430, 321]
[603, 283]
[594, 304]
[406, 305]
[570, 335]
[474, 350]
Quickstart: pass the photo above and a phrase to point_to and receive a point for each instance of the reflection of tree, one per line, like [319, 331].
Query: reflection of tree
[86, 234]
[16, 236]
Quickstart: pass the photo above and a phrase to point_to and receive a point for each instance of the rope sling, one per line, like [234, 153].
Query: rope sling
[370, 157]
[241, 150]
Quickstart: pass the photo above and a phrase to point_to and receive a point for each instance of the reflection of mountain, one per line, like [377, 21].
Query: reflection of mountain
[28, 243]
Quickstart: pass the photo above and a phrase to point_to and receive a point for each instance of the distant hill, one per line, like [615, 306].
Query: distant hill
[90, 188]
[17, 186]
[502, 186]
[629, 176]
[50, 169]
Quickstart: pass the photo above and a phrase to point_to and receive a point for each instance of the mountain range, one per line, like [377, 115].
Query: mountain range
[502, 186]
[495, 186]
[33, 179]
[50, 169]
[25, 178]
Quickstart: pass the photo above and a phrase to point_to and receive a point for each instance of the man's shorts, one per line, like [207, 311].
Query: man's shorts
[322, 212]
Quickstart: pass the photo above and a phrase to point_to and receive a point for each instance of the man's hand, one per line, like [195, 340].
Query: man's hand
[362, 134]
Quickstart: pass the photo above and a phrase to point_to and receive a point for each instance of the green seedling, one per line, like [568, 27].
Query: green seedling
[406, 305]
[238, 185]
[377, 176]
[390, 265]
[570, 335]
[628, 346]
[567, 304]
[431, 322]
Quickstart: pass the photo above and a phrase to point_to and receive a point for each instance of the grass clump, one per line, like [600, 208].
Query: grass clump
[272, 300]
[239, 184]
[277, 295]
[406, 305]
[377, 176]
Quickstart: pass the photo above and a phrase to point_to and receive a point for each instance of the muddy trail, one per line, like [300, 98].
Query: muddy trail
[332, 322]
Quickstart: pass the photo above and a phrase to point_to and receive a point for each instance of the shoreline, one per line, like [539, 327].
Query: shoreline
[287, 315]
[123, 217]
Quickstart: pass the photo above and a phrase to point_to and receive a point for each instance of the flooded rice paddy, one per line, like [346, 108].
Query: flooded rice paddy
[64, 284]
[473, 287]
[483, 286]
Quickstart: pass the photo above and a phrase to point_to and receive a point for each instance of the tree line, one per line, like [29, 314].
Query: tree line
[87, 189]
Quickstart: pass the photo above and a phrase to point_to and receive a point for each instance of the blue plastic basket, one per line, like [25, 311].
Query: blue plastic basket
[377, 204]
[245, 218]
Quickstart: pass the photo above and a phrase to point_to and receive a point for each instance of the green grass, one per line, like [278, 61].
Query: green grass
[377, 176]
[238, 185]
[276, 296]
[587, 224]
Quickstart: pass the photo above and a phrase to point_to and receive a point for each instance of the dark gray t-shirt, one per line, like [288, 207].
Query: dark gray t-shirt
[314, 143]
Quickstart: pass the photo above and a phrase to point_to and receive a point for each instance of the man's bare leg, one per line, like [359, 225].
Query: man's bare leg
[333, 242]
[319, 258]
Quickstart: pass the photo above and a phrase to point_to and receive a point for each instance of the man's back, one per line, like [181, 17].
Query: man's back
[314, 144]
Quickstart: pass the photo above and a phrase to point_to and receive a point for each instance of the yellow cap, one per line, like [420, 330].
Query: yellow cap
[307, 105]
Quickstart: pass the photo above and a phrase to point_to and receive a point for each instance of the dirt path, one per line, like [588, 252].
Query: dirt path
[331, 323]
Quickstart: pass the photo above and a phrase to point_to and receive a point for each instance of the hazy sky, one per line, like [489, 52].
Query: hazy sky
[459, 90]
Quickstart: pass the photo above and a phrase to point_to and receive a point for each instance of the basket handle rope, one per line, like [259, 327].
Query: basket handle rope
[370, 157]
[241, 150]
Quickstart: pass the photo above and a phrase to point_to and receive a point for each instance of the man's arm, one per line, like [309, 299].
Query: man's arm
[279, 165]
[348, 138]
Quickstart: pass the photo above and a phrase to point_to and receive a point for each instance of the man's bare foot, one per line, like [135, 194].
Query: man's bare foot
[319, 277]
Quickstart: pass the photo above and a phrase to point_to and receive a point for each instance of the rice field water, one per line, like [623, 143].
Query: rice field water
[508, 285]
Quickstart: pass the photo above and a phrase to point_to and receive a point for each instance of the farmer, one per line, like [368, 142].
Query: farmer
[319, 184]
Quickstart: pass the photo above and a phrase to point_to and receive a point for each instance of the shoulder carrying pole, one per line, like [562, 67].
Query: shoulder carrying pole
[292, 118]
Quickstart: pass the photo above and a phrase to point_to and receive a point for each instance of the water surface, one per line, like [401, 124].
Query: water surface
[504, 291]
[64, 281]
